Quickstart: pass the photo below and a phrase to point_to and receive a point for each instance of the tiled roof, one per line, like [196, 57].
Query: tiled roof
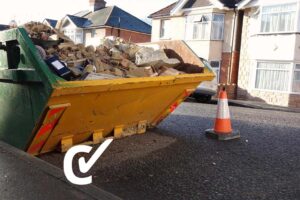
[82, 13]
[193, 4]
[164, 12]
[100, 17]
[80, 21]
[112, 16]
[121, 19]
[197, 4]
[3, 27]
[52, 22]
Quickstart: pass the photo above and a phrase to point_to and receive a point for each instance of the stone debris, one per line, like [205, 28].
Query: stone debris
[114, 58]
[142, 72]
[97, 76]
[149, 57]
[38, 30]
[169, 72]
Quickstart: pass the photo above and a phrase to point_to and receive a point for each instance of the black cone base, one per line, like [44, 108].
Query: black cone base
[223, 137]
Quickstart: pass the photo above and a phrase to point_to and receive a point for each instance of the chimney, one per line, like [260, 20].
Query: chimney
[97, 4]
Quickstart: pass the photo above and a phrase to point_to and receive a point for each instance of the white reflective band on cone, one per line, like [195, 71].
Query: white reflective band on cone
[223, 109]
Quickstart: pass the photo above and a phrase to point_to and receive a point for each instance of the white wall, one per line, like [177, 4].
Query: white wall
[96, 40]
[178, 28]
[155, 30]
[272, 47]
[200, 11]
[215, 50]
[201, 48]
[297, 48]
[209, 50]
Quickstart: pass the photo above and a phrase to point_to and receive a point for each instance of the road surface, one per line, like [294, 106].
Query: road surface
[177, 161]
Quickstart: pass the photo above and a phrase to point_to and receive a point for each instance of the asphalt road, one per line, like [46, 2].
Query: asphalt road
[177, 161]
[24, 177]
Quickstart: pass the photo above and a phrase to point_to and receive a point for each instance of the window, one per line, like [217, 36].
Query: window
[296, 79]
[201, 28]
[217, 29]
[70, 33]
[79, 37]
[205, 27]
[278, 18]
[216, 67]
[272, 76]
[93, 33]
[164, 29]
[278, 77]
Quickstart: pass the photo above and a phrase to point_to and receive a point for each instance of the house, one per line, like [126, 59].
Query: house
[90, 26]
[50, 22]
[3, 27]
[270, 57]
[212, 30]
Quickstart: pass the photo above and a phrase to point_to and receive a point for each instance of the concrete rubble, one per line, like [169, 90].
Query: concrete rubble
[114, 58]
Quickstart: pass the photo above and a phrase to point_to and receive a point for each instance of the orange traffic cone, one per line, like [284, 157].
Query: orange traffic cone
[222, 129]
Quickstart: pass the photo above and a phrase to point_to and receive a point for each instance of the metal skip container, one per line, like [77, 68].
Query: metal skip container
[40, 112]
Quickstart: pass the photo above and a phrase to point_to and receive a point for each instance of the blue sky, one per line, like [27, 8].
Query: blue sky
[36, 10]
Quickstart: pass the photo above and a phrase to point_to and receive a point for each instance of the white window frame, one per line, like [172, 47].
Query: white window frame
[208, 23]
[189, 32]
[71, 33]
[293, 76]
[291, 70]
[166, 29]
[296, 26]
[217, 22]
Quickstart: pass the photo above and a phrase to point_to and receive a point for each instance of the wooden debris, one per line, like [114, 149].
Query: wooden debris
[113, 58]
[142, 72]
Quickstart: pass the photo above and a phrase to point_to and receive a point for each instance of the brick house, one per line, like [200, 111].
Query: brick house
[269, 68]
[90, 26]
[212, 30]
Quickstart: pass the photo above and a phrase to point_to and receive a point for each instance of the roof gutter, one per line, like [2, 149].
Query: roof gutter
[113, 27]
[243, 4]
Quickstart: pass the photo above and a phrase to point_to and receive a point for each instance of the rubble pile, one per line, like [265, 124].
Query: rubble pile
[114, 58]
[37, 30]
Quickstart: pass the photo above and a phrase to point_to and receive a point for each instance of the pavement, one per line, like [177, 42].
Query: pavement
[251, 104]
[259, 105]
[177, 161]
[23, 177]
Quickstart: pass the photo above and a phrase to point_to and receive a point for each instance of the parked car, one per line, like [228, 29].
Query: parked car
[206, 90]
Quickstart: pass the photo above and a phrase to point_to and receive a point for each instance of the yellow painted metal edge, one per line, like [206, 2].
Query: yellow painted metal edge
[83, 87]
